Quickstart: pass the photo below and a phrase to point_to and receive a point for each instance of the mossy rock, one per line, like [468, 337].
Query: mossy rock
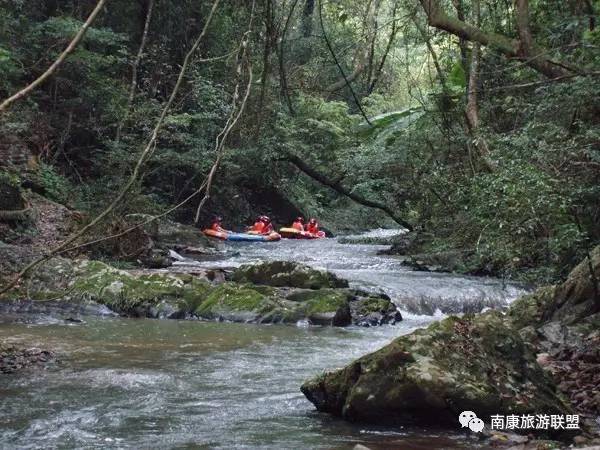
[144, 295]
[288, 274]
[431, 375]
[236, 302]
[529, 310]
[324, 306]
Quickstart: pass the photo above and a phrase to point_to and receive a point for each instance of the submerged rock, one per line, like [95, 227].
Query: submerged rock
[474, 363]
[13, 359]
[289, 274]
[447, 261]
[157, 259]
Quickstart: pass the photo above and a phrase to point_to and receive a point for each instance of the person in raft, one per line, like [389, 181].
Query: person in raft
[259, 226]
[268, 229]
[298, 224]
[217, 224]
[312, 226]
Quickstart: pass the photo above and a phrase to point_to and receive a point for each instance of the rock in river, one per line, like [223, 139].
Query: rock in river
[275, 292]
[473, 363]
[284, 273]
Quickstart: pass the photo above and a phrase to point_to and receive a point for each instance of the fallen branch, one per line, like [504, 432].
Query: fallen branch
[43, 77]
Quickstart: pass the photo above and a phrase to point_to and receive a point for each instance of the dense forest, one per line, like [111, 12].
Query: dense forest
[475, 122]
[153, 154]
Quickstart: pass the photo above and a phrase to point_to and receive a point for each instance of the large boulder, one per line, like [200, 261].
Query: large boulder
[244, 302]
[288, 274]
[562, 324]
[237, 303]
[579, 296]
[140, 295]
[324, 306]
[477, 364]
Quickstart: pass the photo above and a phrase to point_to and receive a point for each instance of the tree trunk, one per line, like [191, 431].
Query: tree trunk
[282, 72]
[511, 48]
[307, 18]
[135, 67]
[388, 48]
[472, 108]
[462, 42]
[270, 38]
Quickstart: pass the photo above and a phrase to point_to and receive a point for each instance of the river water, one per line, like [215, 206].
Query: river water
[125, 383]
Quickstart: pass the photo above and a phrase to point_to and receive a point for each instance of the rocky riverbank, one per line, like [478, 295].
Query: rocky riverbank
[539, 358]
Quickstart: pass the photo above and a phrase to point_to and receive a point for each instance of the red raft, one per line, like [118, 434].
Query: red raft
[292, 233]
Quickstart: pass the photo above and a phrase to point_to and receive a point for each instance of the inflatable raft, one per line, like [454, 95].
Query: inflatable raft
[292, 233]
[231, 236]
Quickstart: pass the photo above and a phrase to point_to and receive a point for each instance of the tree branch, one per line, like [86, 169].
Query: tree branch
[56, 64]
[511, 48]
[339, 188]
[144, 155]
[134, 70]
[337, 63]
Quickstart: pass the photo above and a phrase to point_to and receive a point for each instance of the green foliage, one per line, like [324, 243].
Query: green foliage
[55, 186]
[536, 212]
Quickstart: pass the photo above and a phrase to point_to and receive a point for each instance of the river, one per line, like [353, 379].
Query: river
[125, 383]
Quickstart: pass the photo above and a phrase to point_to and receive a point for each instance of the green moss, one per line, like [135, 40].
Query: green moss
[121, 290]
[324, 301]
[234, 297]
[374, 305]
[289, 274]
[194, 294]
[530, 309]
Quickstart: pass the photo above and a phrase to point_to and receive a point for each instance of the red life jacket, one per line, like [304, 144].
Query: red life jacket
[216, 226]
[268, 229]
[312, 228]
[258, 227]
[298, 226]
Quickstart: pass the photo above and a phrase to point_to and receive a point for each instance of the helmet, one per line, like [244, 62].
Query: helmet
[312, 220]
[266, 219]
[300, 219]
[217, 219]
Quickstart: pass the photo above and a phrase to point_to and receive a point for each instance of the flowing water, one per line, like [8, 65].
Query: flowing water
[125, 383]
